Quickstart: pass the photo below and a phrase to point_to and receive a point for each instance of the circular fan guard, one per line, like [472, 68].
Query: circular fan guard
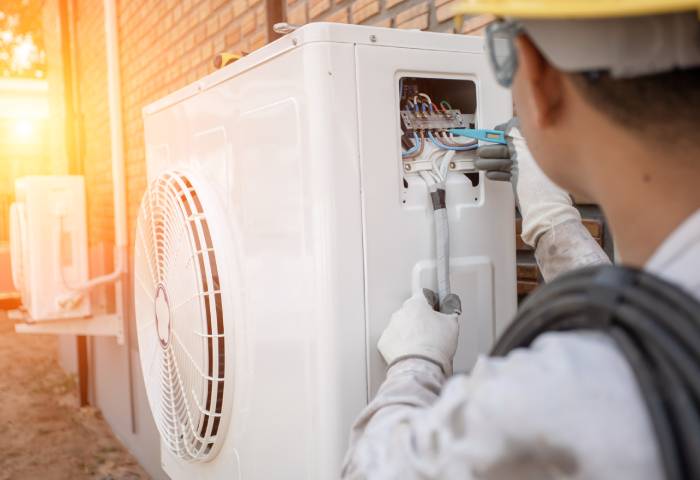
[180, 316]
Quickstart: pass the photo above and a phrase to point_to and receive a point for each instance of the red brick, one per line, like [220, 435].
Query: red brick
[212, 25]
[476, 25]
[411, 13]
[386, 23]
[248, 23]
[226, 15]
[239, 7]
[200, 34]
[297, 14]
[364, 9]
[391, 3]
[261, 16]
[317, 7]
[339, 16]
[360, 4]
[446, 11]
[415, 23]
[257, 41]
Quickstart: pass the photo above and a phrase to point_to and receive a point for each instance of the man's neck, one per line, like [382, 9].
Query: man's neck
[645, 195]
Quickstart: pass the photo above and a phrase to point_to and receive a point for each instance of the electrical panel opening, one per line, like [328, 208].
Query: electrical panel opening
[431, 113]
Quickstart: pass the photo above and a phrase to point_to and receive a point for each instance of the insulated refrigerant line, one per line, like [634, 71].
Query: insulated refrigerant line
[442, 242]
[442, 235]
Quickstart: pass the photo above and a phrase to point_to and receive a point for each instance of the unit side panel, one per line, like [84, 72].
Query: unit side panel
[335, 211]
[399, 231]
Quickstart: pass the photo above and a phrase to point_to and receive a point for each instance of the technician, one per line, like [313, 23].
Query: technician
[608, 97]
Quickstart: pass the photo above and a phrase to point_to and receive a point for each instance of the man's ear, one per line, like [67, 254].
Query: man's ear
[542, 82]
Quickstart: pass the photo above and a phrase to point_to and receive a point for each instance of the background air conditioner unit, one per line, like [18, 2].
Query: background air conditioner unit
[48, 243]
[282, 228]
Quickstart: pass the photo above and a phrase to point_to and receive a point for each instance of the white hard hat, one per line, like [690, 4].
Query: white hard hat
[626, 38]
[623, 47]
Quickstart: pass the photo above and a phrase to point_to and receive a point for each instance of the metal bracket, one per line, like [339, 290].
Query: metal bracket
[462, 165]
[414, 121]
[102, 325]
[457, 165]
[417, 166]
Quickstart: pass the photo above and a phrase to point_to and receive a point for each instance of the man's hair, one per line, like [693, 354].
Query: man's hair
[662, 107]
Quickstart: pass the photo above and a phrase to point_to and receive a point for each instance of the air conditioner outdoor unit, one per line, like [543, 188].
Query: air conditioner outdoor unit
[48, 244]
[282, 227]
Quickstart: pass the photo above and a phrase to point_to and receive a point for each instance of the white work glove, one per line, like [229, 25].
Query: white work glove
[417, 330]
[542, 204]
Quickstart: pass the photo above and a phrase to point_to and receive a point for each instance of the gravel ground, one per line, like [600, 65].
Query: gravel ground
[44, 434]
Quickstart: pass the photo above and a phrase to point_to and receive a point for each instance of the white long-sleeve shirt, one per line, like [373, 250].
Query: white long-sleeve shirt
[568, 407]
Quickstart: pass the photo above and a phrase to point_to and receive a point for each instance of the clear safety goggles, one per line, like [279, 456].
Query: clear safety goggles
[500, 47]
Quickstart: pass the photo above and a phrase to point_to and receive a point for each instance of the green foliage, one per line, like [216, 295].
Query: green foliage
[21, 46]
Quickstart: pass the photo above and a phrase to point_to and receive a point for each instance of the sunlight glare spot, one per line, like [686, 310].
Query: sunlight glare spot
[23, 129]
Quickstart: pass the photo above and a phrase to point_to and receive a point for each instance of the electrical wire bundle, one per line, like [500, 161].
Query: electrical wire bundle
[655, 324]
[435, 178]
[423, 105]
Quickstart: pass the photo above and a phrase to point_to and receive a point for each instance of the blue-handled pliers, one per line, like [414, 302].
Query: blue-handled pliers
[493, 136]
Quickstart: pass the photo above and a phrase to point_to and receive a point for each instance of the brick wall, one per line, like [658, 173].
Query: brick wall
[166, 44]
[93, 118]
[433, 15]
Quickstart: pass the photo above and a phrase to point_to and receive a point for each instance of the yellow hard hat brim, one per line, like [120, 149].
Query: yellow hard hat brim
[575, 8]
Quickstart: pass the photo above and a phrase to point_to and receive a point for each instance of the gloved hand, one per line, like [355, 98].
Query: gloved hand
[542, 204]
[500, 162]
[417, 330]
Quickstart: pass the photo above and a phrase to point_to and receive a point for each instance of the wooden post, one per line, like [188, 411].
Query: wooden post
[81, 344]
[275, 14]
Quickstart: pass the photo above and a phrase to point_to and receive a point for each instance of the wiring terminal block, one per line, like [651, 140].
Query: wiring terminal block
[441, 120]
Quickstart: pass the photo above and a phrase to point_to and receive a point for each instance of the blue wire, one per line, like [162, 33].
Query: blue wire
[416, 145]
[448, 147]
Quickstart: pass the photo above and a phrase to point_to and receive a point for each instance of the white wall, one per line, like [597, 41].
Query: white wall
[68, 354]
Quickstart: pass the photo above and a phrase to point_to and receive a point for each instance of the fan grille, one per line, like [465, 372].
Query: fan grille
[180, 316]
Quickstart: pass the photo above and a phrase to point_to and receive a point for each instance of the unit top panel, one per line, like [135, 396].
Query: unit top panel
[325, 33]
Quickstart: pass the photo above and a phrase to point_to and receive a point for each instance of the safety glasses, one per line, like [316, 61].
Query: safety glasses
[500, 45]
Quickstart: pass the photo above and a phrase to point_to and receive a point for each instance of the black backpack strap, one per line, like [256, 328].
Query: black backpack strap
[655, 324]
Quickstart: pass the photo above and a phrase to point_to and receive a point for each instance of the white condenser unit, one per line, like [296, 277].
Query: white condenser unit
[48, 245]
[287, 216]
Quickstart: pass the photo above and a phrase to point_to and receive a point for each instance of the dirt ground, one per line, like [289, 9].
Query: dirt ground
[44, 434]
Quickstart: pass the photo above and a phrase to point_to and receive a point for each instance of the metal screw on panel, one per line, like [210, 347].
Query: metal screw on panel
[453, 165]
[373, 38]
[407, 167]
